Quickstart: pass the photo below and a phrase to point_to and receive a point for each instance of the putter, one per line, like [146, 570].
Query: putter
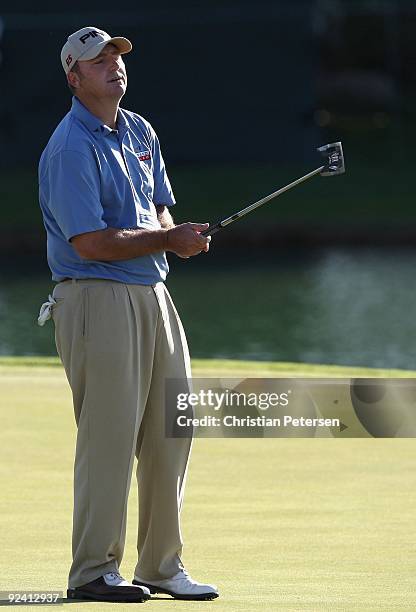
[334, 164]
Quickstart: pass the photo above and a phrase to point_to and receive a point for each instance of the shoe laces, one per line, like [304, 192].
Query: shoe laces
[183, 575]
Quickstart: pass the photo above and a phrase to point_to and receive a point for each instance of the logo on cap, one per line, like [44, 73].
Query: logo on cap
[68, 60]
[91, 33]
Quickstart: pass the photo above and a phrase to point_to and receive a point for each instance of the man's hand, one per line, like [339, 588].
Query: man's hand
[185, 240]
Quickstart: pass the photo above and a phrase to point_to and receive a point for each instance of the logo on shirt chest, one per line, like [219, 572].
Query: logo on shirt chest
[142, 155]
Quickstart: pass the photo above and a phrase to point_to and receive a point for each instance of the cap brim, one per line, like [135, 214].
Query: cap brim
[122, 44]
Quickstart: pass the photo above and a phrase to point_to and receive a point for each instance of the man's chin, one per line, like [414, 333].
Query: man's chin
[116, 90]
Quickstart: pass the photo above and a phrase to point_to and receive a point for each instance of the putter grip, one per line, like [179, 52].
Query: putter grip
[212, 230]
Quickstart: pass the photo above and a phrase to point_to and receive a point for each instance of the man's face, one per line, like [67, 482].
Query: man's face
[104, 76]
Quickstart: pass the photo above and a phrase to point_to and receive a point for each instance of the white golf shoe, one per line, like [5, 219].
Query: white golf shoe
[180, 586]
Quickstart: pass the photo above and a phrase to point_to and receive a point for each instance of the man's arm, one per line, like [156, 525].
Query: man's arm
[164, 217]
[113, 244]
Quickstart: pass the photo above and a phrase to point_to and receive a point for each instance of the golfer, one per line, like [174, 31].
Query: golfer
[105, 198]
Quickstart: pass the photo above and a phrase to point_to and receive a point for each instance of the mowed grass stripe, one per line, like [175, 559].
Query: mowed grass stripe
[230, 367]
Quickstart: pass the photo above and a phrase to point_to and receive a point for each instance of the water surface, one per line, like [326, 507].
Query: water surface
[340, 306]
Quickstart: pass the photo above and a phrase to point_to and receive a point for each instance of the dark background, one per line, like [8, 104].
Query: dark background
[241, 94]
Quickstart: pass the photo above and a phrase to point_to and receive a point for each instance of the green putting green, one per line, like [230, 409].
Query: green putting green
[287, 524]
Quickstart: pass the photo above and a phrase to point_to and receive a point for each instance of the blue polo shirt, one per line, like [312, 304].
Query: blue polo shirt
[92, 177]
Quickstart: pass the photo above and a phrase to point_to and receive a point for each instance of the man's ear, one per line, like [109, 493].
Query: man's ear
[73, 79]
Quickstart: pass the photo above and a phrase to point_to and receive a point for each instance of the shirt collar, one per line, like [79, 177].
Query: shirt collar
[93, 123]
[82, 113]
[122, 121]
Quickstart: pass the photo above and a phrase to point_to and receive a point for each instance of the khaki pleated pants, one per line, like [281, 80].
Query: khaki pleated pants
[118, 344]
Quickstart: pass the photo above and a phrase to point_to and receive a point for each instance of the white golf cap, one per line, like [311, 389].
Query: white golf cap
[87, 43]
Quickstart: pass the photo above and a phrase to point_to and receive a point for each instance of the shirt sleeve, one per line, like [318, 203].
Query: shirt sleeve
[74, 197]
[163, 194]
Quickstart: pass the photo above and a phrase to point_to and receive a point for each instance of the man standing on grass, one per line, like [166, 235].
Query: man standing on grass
[105, 194]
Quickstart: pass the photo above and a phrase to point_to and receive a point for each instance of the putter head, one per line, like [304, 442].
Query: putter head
[334, 159]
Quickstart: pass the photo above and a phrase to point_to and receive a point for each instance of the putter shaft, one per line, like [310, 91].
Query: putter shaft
[221, 224]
